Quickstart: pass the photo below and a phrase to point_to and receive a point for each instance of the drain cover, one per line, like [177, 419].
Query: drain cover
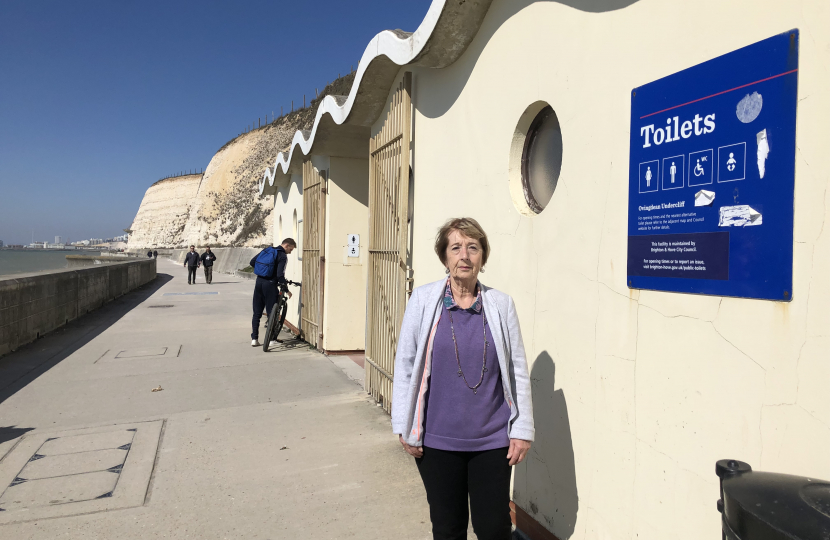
[161, 306]
[146, 354]
[189, 293]
[137, 353]
[77, 471]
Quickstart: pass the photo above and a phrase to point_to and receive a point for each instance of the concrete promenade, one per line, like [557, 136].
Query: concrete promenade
[238, 443]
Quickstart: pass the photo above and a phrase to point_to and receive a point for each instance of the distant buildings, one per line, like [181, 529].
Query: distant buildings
[1, 244]
[60, 244]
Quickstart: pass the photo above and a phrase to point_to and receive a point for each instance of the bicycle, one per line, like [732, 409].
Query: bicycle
[277, 316]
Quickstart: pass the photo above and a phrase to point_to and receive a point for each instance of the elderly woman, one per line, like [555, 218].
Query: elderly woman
[461, 401]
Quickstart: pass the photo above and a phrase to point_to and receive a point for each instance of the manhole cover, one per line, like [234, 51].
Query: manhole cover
[70, 469]
[189, 293]
[137, 353]
[141, 354]
[77, 471]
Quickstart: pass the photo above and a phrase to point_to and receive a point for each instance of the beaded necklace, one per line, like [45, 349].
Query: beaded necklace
[458, 359]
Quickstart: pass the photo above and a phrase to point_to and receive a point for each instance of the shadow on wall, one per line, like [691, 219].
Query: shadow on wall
[452, 79]
[597, 6]
[545, 486]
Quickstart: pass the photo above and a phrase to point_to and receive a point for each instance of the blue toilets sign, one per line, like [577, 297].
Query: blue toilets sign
[712, 175]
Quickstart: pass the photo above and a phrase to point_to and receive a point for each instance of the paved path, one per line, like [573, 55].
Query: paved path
[238, 444]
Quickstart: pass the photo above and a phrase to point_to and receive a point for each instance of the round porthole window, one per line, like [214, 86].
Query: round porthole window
[536, 158]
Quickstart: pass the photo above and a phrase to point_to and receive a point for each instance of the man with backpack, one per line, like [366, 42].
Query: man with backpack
[269, 267]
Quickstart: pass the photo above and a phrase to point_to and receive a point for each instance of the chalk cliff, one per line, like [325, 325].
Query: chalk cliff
[164, 212]
[222, 207]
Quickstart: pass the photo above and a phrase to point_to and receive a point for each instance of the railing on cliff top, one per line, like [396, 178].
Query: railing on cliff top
[182, 173]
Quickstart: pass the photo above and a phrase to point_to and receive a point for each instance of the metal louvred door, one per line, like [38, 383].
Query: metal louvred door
[388, 233]
[314, 250]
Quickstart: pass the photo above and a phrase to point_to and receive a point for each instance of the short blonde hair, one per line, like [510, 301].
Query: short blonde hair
[466, 226]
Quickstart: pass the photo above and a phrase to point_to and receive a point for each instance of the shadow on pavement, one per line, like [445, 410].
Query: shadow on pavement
[11, 432]
[288, 343]
[30, 361]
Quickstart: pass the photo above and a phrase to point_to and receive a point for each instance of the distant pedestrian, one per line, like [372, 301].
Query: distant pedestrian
[464, 444]
[149, 254]
[191, 261]
[155, 254]
[207, 263]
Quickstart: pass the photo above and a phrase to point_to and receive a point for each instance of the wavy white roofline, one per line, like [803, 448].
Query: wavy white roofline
[401, 48]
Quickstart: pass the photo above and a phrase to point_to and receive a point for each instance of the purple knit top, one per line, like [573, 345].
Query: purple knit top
[456, 418]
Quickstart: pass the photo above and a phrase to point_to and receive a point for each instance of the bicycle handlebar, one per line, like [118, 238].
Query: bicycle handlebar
[296, 284]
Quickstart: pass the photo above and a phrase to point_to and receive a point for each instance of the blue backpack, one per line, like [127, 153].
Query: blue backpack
[266, 263]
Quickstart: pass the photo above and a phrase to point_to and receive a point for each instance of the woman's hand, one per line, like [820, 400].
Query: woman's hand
[417, 451]
[517, 451]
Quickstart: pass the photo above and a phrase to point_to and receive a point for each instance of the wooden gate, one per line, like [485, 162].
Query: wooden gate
[314, 251]
[388, 271]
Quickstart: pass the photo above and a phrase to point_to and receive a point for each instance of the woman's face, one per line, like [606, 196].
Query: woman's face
[464, 256]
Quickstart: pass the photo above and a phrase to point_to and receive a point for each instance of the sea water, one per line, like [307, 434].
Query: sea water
[13, 261]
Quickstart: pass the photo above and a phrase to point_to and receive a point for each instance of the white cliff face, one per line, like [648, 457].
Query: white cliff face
[227, 209]
[222, 207]
[164, 212]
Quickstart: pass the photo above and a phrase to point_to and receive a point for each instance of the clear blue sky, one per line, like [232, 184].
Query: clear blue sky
[99, 99]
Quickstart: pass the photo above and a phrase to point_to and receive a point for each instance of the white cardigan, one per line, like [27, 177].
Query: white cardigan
[413, 361]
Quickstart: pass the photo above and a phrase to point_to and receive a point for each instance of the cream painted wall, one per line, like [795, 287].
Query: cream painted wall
[636, 393]
[347, 212]
[288, 202]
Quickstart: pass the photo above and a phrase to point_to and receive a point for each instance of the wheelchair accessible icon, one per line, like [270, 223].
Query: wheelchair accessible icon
[700, 168]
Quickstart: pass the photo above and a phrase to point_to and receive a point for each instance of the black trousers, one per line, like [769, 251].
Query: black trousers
[265, 296]
[191, 272]
[451, 477]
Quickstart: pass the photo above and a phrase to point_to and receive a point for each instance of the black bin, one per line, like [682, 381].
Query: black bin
[769, 506]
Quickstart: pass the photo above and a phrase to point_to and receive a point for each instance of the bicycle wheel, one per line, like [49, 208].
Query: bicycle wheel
[281, 321]
[269, 326]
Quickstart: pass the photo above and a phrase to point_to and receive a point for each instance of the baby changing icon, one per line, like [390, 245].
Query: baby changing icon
[732, 162]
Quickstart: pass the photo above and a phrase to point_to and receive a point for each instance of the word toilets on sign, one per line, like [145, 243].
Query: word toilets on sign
[674, 131]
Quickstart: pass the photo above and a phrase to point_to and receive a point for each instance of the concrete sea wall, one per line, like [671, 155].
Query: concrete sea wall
[32, 305]
[85, 261]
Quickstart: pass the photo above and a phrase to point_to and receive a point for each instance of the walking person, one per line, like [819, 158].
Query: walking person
[149, 254]
[155, 254]
[208, 259]
[461, 402]
[269, 266]
[191, 261]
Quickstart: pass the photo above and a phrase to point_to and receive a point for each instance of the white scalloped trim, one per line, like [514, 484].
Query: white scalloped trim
[401, 50]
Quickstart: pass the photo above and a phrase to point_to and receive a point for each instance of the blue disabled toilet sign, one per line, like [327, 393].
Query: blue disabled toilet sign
[712, 175]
